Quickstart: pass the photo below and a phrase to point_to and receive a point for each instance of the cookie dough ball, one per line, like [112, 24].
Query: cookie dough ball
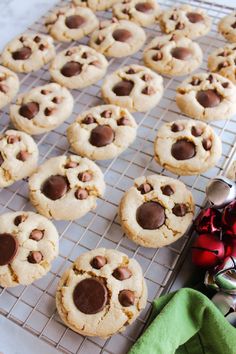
[223, 61]
[227, 27]
[9, 86]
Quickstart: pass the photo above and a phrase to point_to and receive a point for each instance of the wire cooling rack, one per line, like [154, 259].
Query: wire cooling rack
[33, 307]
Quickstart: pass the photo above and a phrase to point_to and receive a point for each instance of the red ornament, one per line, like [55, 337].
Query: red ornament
[207, 251]
[229, 219]
[230, 245]
[208, 221]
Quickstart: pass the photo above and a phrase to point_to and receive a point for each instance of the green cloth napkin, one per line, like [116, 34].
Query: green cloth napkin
[186, 322]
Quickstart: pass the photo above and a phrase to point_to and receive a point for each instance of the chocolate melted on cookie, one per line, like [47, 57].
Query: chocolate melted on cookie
[122, 273]
[181, 53]
[208, 98]
[8, 248]
[29, 110]
[22, 53]
[144, 7]
[121, 35]
[55, 187]
[71, 68]
[74, 21]
[126, 297]
[123, 88]
[150, 215]
[183, 149]
[102, 135]
[194, 17]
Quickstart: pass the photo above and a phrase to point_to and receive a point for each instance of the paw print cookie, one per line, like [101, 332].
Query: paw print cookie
[66, 188]
[186, 21]
[18, 157]
[9, 86]
[187, 147]
[41, 109]
[28, 245]
[223, 61]
[71, 23]
[96, 5]
[78, 67]
[142, 12]
[134, 87]
[28, 52]
[101, 293]
[173, 55]
[103, 132]
[227, 27]
[207, 97]
[118, 38]
[156, 211]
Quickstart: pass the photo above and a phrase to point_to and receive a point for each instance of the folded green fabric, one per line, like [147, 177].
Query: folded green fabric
[186, 322]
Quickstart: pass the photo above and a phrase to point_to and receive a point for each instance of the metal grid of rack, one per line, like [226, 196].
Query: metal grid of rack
[33, 307]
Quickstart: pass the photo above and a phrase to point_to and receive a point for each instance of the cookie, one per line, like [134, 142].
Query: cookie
[9, 86]
[173, 55]
[227, 27]
[28, 245]
[142, 12]
[41, 109]
[232, 171]
[102, 132]
[118, 38]
[96, 5]
[78, 67]
[66, 188]
[101, 293]
[18, 157]
[134, 87]
[28, 52]
[71, 23]
[223, 61]
[187, 147]
[186, 21]
[156, 211]
[207, 97]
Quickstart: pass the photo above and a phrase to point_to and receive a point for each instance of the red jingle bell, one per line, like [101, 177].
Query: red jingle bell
[208, 221]
[229, 219]
[207, 251]
[230, 245]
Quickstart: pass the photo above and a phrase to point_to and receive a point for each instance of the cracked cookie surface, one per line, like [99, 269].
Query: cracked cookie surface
[28, 52]
[18, 157]
[78, 67]
[102, 132]
[28, 245]
[41, 109]
[9, 86]
[117, 38]
[207, 97]
[96, 5]
[66, 188]
[227, 27]
[172, 55]
[156, 211]
[134, 87]
[71, 23]
[186, 21]
[101, 293]
[187, 147]
[223, 61]
[142, 12]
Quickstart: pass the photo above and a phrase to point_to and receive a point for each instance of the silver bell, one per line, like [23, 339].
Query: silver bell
[227, 305]
[220, 191]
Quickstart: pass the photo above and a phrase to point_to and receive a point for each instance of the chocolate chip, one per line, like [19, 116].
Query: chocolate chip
[106, 114]
[69, 53]
[177, 127]
[207, 144]
[183, 149]
[37, 39]
[57, 100]
[223, 64]
[21, 39]
[36, 235]
[71, 68]
[99, 40]
[22, 53]
[55, 187]
[173, 17]
[181, 53]
[89, 119]
[23, 155]
[208, 98]
[122, 273]
[11, 139]
[179, 209]
[148, 90]
[98, 262]
[8, 248]
[123, 88]
[49, 111]
[233, 25]
[101, 136]
[145, 188]
[195, 81]
[1, 159]
[42, 47]
[85, 176]
[85, 55]
[158, 56]
[29, 110]
[225, 84]
[90, 296]
[150, 215]
[210, 78]
[223, 54]
[126, 298]
[19, 219]
[3, 88]
[194, 17]
[146, 77]
[167, 190]
[131, 71]
[35, 257]
[121, 35]
[74, 21]
[45, 92]
[179, 26]
[196, 131]
[81, 194]
[144, 7]
[71, 164]
[123, 121]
